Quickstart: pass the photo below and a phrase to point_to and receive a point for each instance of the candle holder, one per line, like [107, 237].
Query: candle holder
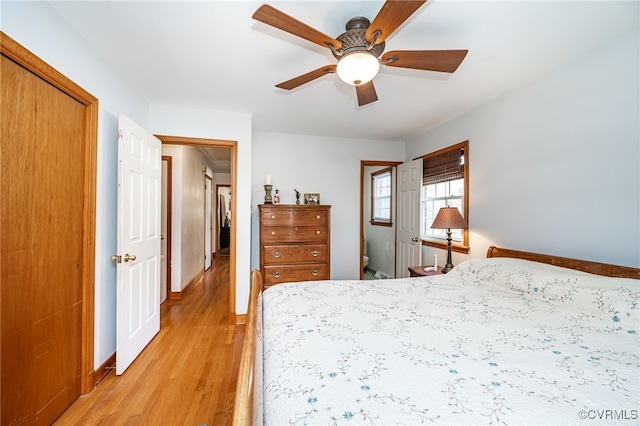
[268, 199]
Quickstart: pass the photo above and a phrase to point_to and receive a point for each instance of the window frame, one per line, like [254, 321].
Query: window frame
[463, 246]
[377, 221]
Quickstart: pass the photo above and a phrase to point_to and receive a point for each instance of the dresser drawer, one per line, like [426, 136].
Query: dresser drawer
[275, 274]
[304, 253]
[278, 234]
[294, 217]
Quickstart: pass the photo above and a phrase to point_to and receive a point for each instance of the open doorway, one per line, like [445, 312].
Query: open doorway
[223, 222]
[192, 158]
[377, 240]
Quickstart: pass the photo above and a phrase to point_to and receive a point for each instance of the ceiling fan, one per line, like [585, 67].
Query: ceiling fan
[358, 50]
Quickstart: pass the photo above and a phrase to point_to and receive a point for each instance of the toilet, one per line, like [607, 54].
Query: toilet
[365, 258]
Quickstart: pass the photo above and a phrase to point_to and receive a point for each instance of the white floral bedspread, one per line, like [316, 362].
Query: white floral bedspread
[495, 341]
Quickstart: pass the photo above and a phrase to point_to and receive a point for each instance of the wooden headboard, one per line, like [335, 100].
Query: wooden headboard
[565, 262]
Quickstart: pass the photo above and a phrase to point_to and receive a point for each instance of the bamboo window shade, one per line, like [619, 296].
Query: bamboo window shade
[443, 167]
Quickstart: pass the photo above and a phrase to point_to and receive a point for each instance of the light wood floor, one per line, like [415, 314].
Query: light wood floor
[185, 376]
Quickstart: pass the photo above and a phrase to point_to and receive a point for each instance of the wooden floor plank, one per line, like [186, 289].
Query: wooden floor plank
[186, 375]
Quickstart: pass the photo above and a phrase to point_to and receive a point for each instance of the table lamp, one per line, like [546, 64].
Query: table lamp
[448, 218]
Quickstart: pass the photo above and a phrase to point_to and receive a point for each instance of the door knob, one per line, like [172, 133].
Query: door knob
[415, 239]
[129, 257]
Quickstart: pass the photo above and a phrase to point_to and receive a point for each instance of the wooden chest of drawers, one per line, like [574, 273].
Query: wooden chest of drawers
[294, 243]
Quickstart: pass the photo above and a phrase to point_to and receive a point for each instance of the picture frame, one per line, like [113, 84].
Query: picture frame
[312, 198]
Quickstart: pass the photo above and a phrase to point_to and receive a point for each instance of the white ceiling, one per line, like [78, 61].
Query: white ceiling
[220, 158]
[213, 55]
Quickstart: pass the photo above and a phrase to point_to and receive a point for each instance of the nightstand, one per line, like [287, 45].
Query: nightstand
[418, 271]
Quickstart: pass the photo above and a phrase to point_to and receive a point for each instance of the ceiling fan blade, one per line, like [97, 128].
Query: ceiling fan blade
[428, 60]
[271, 16]
[305, 78]
[366, 93]
[392, 14]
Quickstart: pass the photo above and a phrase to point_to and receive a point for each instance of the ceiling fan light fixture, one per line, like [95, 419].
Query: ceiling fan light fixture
[358, 68]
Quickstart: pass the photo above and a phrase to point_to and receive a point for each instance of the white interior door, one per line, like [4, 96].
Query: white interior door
[138, 241]
[408, 242]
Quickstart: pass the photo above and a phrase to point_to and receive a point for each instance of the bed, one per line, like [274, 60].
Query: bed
[516, 338]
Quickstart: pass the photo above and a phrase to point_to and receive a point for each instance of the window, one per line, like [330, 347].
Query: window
[445, 183]
[381, 197]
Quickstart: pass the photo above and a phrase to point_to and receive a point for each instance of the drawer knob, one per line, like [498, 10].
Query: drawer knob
[273, 216]
[315, 253]
[276, 254]
[273, 232]
[314, 272]
[318, 216]
[295, 229]
[276, 274]
[318, 232]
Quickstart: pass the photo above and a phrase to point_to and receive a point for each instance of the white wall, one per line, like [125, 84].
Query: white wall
[329, 166]
[192, 229]
[554, 166]
[221, 179]
[36, 26]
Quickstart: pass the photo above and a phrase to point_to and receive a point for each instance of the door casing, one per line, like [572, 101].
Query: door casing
[233, 145]
[363, 164]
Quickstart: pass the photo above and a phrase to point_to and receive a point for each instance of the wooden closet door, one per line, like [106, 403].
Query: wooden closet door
[41, 242]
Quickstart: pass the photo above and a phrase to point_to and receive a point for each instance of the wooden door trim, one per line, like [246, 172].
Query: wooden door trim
[22, 56]
[233, 145]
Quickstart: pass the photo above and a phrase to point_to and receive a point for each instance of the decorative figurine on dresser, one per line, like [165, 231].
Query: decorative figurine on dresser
[294, 242]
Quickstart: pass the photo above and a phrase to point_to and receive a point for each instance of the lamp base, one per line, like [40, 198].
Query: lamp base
[268, 199]
[446, 268]
[449, 265]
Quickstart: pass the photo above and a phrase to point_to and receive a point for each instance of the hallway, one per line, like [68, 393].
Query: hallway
[185, 376]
